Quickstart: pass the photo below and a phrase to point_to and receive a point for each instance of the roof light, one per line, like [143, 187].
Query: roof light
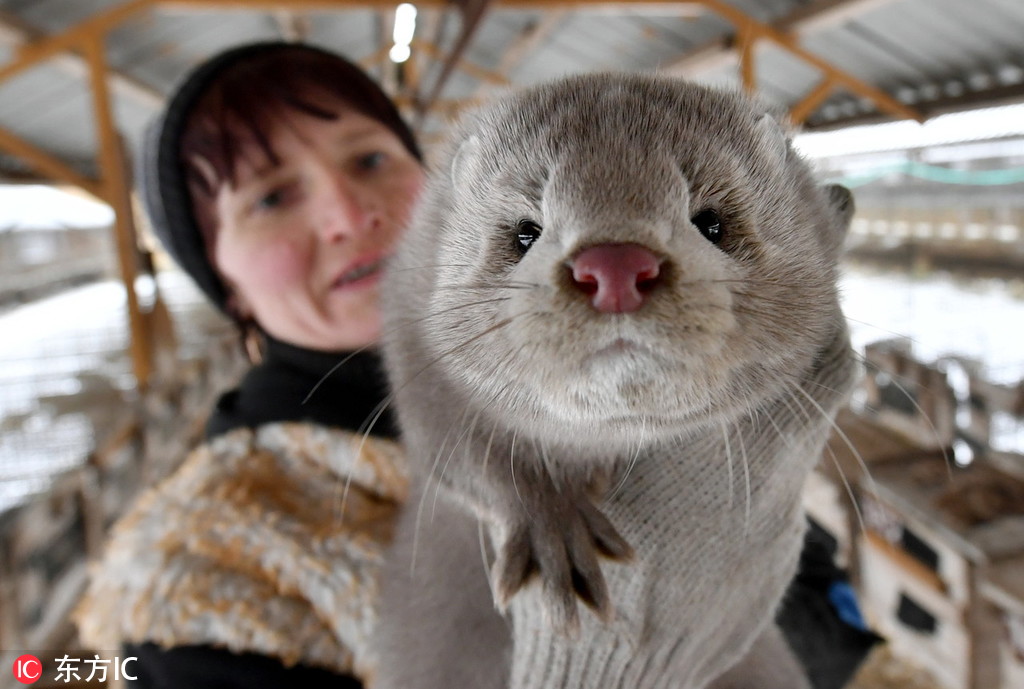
[405, 27]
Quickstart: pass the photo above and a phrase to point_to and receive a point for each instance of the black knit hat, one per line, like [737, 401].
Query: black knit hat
[161, 176]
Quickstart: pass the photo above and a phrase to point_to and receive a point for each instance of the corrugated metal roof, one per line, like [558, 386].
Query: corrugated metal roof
[933, 54]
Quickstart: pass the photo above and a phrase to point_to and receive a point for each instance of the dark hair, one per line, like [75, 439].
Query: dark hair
[233, 96]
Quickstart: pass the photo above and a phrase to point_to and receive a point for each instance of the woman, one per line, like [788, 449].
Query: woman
[279, 177]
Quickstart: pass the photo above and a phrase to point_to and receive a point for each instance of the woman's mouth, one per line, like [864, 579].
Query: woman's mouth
[362, 274]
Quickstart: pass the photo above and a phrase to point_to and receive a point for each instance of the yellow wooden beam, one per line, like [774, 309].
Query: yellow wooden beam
[602, 5]
[373, 58]
[446, 107]
[292, 24]
[802, 110]
[16, 31]
[427, 24]
[882, 99]
[117, 190]
[825, 14]
[466, 66]
[527, 41]
[31, 54]
[748, 58]
[290, 5]
[48, 165]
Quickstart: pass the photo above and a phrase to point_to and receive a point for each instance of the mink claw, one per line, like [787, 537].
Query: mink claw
[514, 567]
[562, 548]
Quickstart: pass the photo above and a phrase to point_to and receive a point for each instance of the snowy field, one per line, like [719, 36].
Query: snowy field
[982, 319]
[64, 370]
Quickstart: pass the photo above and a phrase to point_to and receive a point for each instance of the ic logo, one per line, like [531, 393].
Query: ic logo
[27, 669]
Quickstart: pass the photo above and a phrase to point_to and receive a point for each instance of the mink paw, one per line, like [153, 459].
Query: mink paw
[559, 539]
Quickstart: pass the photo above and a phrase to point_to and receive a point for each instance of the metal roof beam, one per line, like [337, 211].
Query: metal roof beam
[31, 54]
[292, 25]
[826, 14]
[748, 27]
[812, 101]
[525, 43]
[660, 6]
[16, 31]
[720, 52]
[464, 65]
[116, 184]
[472, 13]
[989, 98]
[48, 164]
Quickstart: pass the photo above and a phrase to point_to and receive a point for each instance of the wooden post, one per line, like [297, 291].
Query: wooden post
[49, 165]
[115, 183]
[34, 53]
[802, 110]
[745, 23]
[748, 66]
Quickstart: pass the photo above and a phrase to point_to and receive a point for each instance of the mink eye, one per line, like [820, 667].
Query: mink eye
[527, 232]
[710, 225]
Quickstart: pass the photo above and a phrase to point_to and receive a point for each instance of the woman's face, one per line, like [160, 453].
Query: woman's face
[302, 243]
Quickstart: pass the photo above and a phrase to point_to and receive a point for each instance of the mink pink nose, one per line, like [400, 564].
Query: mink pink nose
[618, 277]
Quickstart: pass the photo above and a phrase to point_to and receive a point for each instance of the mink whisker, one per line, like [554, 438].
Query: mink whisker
[881, 329]
[403, 324]
[483, 554]
[746, 481]
[431, 266]
[423, 498]
[387, 401]
[847, 487]
[910, 398]
[468, 431]
[728, 463]
[632, 462]
[800, 408]
[772, 300]
[457, 288]
[512, 465]
[778, 431]
[842, 435]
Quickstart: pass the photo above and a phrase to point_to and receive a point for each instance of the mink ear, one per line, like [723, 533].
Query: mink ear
[840, 203]
[772, 136]
[840, 200]
[463, 162]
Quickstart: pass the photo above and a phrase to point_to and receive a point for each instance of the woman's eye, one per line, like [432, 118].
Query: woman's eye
[371, 161]
[527, 232]
[271, 200]
[277, 199]
[710, 225]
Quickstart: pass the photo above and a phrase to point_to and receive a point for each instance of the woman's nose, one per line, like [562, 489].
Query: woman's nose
[345, 210]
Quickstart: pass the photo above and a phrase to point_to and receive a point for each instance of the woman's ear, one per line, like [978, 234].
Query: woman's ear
[237, 306]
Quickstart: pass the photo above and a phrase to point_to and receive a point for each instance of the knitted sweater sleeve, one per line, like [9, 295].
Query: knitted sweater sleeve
[249, 546]
[717, 526]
